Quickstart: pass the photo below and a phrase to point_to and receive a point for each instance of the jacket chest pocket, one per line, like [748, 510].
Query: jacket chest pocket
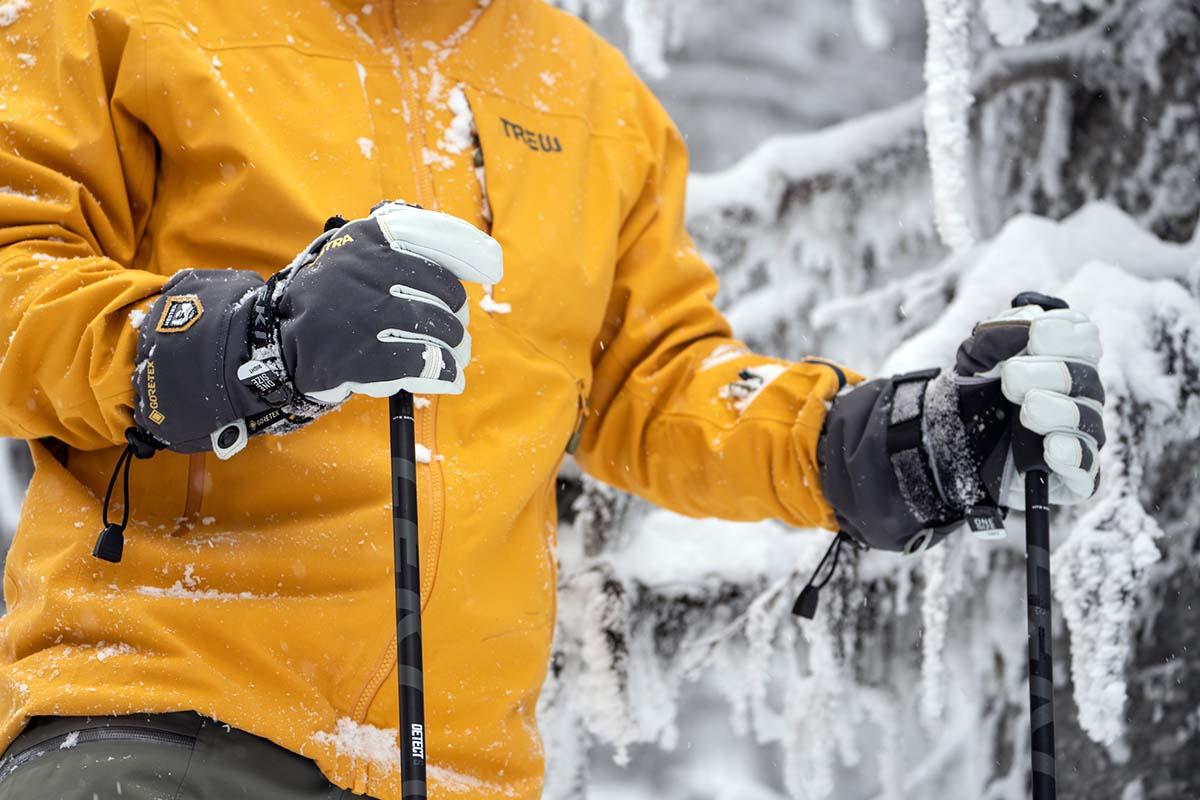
[556, 215]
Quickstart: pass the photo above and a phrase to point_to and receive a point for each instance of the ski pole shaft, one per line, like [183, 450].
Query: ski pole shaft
[1041, 663]
[409, 674]
[1027, 450]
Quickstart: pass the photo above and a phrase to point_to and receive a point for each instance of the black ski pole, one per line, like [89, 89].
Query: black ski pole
[1041, 661]
[1029, 459]
[409, 675]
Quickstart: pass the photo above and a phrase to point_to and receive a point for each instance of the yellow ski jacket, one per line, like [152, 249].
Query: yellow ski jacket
[141, 137]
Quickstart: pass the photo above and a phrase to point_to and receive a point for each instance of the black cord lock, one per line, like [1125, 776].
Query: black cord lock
[110, 544]
[810, 596]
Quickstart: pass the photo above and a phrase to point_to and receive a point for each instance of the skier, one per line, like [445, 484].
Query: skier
[164, 162]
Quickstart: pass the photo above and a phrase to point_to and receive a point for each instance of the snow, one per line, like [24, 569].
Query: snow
[1010, 21]
[136, 317]
[1128, 281]
[459, 136]
[873, 25]
[366, 146]
[11, 192]
[180, 590]
[424, 454]
[107, 651]
[361, 742]
[674, 551]
[453, 782]
[70, 741]
[365, 744]
[28, 60]
[948, 102]
[489, 304]
[11, 10]
[668, 610]
[750, 384]
[430, 157]
[722, 355]
[646, 21]
[758, 181]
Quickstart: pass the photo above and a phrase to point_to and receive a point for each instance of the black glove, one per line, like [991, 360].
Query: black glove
[922, 452]
[371, 307]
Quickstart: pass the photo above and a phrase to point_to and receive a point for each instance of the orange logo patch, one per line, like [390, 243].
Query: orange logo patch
[180, 313]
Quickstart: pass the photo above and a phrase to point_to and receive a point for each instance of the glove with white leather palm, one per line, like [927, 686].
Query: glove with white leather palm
[905, 460]
[371, 307]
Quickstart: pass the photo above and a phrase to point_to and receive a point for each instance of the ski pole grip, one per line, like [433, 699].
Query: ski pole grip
[1027, 446]
[1047, 302]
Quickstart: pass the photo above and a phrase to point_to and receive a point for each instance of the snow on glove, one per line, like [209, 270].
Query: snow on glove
[371, 307]
[906, 459]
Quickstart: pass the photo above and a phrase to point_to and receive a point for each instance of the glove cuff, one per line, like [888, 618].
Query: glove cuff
[876, 471]
[267, 373]
[189, 348]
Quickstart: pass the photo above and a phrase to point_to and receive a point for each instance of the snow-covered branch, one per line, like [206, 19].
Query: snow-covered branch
[1067, 57]
[674, 604]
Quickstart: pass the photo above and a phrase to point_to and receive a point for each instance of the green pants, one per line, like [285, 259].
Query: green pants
[180, 756]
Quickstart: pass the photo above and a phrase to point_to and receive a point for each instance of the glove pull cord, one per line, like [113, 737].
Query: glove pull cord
[110, 544]
[806, 604]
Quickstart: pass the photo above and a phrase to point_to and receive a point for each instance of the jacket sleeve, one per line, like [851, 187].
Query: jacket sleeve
[681, 413]
[77, 173]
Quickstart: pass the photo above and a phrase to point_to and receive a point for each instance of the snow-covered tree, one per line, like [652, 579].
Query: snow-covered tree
[880, 240]
[877, 232]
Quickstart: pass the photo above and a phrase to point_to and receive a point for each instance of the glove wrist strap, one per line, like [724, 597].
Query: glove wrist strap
[266, 374]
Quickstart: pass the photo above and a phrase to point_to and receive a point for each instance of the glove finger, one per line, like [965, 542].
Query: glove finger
[469, 253]
[359, 254]
[1023, 374]
[416, 316]
[1061, 494]
[405, 291]
[1065, 333]
[1050, 412]
[990, 345]
[1073, 460]
[414, 275]
[415, 366]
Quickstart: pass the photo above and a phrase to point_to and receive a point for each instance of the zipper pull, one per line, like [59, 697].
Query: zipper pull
[477, 156]
[577, 434]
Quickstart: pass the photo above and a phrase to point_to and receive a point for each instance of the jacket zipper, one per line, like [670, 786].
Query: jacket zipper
[114, 733]
[580, 420]
[426, 199]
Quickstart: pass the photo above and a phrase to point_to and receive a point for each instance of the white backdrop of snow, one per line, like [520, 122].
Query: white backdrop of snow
[643, 621]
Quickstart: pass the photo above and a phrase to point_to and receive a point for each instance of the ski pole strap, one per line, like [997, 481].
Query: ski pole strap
[810, 596]
[265, 373]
